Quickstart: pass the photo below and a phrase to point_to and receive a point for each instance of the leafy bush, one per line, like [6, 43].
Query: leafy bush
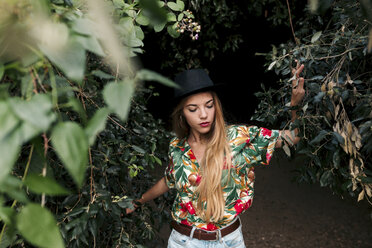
[336, 116]
[75, 137]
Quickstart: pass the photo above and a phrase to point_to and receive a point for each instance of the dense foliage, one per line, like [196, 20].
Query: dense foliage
[336, 116]
[223, 27]
[77, 143]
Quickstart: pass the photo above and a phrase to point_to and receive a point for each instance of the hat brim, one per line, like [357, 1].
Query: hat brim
[216, 88]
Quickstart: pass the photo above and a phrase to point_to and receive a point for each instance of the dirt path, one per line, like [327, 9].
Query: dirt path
[285, 214]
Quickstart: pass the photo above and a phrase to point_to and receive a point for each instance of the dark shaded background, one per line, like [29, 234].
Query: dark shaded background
[242, 71]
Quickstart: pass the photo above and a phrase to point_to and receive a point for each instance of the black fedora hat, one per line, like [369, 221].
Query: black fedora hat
[193, 81]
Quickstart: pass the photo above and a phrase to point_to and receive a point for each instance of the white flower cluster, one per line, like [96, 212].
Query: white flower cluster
[187, 24]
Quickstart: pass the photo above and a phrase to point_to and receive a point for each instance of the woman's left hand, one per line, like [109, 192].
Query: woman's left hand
[298, 91]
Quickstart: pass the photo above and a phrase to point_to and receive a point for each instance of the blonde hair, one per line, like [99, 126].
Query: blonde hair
[211, 203]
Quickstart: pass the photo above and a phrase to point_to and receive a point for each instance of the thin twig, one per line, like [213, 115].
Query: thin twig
[290, 21]
[91, 176]
[44, 171]
[341, 54]
[23, 178]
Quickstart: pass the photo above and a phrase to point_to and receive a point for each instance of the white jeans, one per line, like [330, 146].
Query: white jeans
[232, 240]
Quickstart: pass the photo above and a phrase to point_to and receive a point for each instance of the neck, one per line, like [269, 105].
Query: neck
[195, 137]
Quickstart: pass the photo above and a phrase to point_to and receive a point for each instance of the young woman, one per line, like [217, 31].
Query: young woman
[211, 165]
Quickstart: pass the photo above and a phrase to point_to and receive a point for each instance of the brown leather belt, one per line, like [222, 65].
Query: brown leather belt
[205, 235]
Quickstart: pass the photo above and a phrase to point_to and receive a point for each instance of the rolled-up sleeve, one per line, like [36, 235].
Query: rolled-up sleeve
[264, 143]
[169, 171]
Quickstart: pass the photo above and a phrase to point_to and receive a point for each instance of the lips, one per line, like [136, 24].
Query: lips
[204, 124]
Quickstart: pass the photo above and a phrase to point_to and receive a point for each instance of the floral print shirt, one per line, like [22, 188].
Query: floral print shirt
[250, 146]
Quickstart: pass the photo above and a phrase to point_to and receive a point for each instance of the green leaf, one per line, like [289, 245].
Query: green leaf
[39, 185]
[319, 137]
[37, 111]
[91, 43]
[139, 33]
[83, 26]
[316, 36]
[102, 75]
[10, 141]
[119, 3]
[96, 124]
[71, 145]
[12, 186]
[138, 149]
[70, 59]
[325, 178]
[319, 97]
[118, 97]
[176, 6]
[38, 226]
[142, 20]
[76, 105]
[153, 10]
[336, 159]
[339, 138]
[126, 23]
[2, 69]
[181, 5]
[153, 147]
[171, 17]
[173, 6]
[147, 75]
[161, 4]
[272, 65]
[159, 27]
[8, 238]
[172, 31]
[6, 215]
[180, 17]
[133, 41]
[157, 160]
[125, 203]
[26, 86]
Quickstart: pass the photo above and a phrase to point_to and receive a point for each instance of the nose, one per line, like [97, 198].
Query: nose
[203, 114]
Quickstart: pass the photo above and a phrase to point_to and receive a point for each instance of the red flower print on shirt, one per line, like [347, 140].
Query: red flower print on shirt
[188, 207]
[268, 157]
[248, 204]
[185, 222]
[183, 207]
[248, 140]
[210, 227]
[191, 155]
[239, 206]
[170, 167]
[266, 132]
[198, 179]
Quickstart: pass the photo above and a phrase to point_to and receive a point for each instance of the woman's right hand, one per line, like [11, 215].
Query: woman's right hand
[158, 189]
[131, 210]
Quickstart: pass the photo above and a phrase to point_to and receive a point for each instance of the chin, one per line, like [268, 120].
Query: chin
[204, 131]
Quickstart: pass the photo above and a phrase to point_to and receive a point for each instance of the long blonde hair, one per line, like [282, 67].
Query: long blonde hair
[211, 203]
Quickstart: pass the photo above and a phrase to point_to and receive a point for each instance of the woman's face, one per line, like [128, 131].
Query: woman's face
[199, 111]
